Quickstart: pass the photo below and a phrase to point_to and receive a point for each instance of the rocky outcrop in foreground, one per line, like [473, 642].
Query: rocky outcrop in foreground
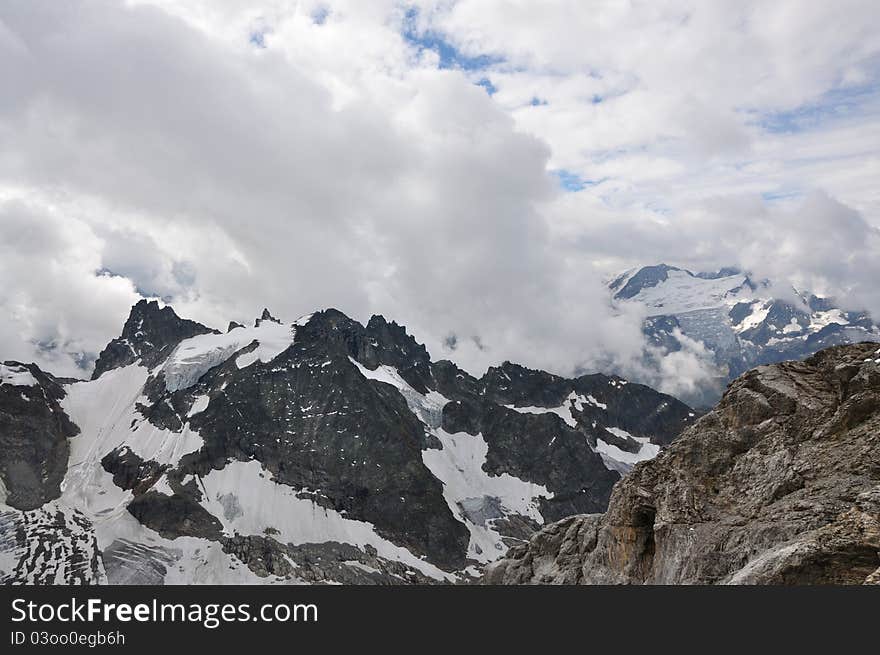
[779, 484]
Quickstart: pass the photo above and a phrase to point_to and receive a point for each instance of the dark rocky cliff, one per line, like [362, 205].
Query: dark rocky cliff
[33, 435]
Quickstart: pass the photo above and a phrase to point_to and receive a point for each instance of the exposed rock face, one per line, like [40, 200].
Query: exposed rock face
[327, 562]
[33, 435]
[632, 407]
[174, 516]
[779, 484]
[130, 471]
[578, 479]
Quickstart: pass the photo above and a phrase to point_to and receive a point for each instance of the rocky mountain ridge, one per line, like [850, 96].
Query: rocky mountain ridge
[322, 450]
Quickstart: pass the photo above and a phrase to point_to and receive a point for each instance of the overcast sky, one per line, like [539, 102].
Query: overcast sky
[471, 168]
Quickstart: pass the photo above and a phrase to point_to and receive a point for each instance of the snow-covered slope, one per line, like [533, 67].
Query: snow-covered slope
[677, 291]
[318, 451]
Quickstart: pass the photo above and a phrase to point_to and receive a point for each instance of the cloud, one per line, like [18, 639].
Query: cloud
[688, 372]
[681, 100]
[56, 309]
[350, 157]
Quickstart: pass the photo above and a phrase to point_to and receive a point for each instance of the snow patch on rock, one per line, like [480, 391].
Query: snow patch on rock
[427, 407]
[17, 376]
[647, 451]
[194, 357]
[573, 400]
[261, 503]
[459, 466]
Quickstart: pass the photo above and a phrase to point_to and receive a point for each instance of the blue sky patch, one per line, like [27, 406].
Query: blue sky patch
[781, 195]
[833, 105]
[258, 38]
[570, 181]
[486, 83]
[450, 56]
[319, 16]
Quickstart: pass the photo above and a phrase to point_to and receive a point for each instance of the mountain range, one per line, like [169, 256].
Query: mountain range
[737, 318]
[321, 450]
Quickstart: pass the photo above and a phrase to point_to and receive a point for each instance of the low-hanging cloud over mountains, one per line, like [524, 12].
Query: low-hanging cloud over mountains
[472, 169]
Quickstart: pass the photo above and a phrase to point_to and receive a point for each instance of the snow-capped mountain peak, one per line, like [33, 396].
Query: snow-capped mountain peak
[740, 321]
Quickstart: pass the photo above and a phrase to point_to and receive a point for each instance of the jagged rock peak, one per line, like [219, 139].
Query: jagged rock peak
[233, 325]
[779, 484]
[265, 316]
[513, 371]
[511, 383]
[147, 317]
[332, 318]
[393, 335]
[378, 343]
[149, 334]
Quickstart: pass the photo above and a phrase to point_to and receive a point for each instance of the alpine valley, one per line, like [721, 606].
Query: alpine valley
[322, 450]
